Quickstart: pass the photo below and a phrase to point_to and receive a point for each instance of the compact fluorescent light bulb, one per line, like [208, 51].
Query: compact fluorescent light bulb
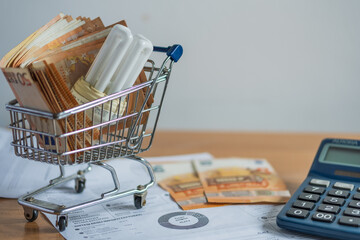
[132, 64]
[109, 57]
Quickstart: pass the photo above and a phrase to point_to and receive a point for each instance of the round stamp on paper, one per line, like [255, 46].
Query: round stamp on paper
[183, 220]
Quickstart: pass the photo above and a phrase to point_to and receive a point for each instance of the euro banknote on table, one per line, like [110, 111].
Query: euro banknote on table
[240, 180]
[181, 181]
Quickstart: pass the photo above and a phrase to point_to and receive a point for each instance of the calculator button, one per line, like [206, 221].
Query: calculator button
[334, 201]
[356, 196]
[339, 193]
[304, 205]
[328, 208]
[350, 221]
[309, 197]
[354, 204]
[345, 186]
[352, 212]
[314, 189]
[323, 217]
[298, 213]
[319, 182]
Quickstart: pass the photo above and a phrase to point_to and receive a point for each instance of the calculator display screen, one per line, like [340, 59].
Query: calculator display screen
[343, 156]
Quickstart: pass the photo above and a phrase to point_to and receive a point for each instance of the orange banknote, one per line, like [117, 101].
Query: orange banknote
[180, 180]
[37, 51]
[238, 180]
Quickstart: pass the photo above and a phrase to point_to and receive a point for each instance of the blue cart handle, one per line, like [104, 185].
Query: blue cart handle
[174, 52]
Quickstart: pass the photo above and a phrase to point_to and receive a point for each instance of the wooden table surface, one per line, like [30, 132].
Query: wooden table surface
[291, 154]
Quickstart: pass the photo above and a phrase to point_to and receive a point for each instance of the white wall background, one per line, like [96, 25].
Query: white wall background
[247, 65]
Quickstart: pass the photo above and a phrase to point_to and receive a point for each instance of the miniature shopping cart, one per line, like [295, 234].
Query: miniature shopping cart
[123, 133]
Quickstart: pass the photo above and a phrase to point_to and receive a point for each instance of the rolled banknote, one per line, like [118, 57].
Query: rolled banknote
[84, 92]
[180, 180]
[237, 180]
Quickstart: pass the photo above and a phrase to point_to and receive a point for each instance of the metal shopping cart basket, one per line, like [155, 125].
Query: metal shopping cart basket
[117, 134]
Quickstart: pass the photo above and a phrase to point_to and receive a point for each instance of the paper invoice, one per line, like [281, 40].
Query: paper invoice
[161, 218]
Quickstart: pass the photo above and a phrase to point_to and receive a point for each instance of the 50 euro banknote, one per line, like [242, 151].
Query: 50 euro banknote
[239, 180]
[181, 181]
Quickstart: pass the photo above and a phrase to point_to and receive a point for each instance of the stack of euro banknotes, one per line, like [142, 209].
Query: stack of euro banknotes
[218, 182]
[69, 44]
[43, 68]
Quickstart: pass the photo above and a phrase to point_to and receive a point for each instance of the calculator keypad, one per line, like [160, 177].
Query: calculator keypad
[333, 198]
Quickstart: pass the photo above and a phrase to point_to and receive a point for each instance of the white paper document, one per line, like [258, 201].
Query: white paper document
[17, 175]
[161, 218]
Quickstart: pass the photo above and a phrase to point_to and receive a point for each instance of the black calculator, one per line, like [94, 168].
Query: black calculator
[327, 203]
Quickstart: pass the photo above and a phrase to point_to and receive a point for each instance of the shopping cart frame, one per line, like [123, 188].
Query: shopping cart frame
[127, 142]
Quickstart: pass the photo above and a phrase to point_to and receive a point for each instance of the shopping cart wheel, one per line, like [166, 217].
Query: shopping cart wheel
[80, 185]
[139, 202]
[31, 214]
[62, 222]
[140, 198]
